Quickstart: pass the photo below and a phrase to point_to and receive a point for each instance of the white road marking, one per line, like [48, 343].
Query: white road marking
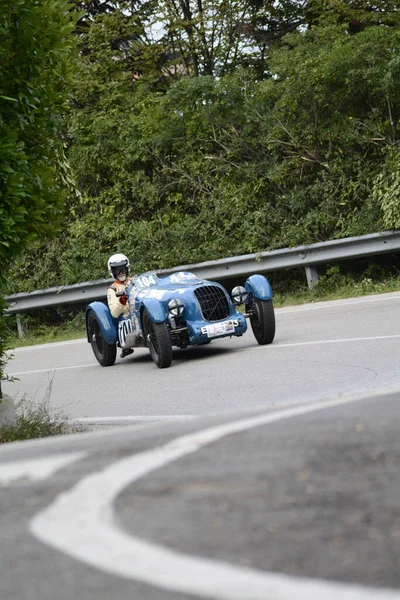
[339, 341]
[276, 345]
[52, 369]
[336, 303]
[36, 469]
[129, 419]
[82, 524]
[50, 345]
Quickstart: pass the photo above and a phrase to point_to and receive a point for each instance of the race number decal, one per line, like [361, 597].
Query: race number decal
[146, 280]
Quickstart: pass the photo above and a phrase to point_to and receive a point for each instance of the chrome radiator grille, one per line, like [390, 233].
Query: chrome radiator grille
[213, 302]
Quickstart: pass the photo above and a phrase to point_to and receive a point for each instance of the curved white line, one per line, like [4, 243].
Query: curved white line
[81, 523]
[35, 469]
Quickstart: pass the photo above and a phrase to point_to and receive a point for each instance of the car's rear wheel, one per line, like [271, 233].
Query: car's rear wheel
[262, 321]
[158, 341]
[104, 353]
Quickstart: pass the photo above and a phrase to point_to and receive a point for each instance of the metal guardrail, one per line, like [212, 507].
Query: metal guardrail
[307, 256]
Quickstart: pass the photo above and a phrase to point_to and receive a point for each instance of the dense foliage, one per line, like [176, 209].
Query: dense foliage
[35, 66]
[195, 134]
[34, 69]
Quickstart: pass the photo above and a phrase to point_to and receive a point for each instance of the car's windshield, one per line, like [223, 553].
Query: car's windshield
[182, 277]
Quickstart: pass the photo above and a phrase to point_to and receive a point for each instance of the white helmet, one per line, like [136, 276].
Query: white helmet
[115, 261]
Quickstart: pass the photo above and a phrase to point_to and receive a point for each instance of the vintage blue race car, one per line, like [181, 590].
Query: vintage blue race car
[181, 310]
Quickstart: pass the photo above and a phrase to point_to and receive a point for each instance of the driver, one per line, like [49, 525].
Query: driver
[119, 268]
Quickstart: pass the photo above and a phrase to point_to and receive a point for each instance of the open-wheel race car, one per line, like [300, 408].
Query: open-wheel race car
[181, 310]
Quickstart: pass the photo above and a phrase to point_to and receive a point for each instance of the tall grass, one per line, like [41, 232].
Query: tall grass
[36, 420]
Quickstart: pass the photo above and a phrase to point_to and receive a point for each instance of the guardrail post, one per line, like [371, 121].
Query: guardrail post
[21, 333]
[312, 276]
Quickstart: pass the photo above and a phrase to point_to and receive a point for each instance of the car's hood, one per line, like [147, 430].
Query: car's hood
[177, 285]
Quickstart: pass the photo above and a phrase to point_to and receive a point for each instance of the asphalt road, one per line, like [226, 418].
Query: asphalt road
[320, 350]
[283, 504]
[294, 496]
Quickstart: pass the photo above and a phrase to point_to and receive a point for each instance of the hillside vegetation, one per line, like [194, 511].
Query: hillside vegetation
[195, 134]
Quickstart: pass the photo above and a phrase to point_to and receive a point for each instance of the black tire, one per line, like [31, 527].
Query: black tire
[263, 321]
[158, 341]
[104, 353]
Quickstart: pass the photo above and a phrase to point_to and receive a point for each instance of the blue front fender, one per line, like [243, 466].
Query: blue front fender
[107, 324]
[154, 309]
[259, 287]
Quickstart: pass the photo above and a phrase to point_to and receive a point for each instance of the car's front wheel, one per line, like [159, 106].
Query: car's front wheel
[158, 341]
[104, 353]
[262, 321]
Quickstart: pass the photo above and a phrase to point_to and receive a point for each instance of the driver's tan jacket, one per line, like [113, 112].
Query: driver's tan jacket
[116, 308]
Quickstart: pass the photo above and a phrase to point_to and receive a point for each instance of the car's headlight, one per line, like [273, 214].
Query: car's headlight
[239, 295]
[176, 307]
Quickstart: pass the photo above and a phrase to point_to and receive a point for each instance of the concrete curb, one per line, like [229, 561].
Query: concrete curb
[7, 410]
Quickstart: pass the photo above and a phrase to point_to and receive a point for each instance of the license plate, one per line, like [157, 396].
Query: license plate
[218, 329]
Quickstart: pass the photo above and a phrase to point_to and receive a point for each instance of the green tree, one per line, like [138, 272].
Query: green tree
[202, 37]
[214, 38]
[337, 110]
[355, 15]
[35, 67]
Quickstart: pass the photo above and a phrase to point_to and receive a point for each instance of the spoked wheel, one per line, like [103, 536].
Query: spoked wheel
[158, 341]
[263, 321]
[104, 353]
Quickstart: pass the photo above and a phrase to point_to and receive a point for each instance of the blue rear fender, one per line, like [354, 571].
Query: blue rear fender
[259, 287]
[108, 325]
[154, 309]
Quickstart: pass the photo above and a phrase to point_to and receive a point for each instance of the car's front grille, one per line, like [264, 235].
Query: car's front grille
[213, 302]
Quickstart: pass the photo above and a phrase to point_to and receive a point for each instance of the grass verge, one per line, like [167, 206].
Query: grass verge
[37, 331]
[32, 339]
[335, 286]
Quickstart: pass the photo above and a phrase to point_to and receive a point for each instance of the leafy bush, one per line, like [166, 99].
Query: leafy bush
[386, 189]
[330, 281]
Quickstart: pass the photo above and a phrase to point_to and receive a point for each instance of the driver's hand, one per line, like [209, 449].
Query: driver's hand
[123, 299]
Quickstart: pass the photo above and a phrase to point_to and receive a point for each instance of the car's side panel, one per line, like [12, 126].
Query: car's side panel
[259, 287]
[107, 324]
[154, 309]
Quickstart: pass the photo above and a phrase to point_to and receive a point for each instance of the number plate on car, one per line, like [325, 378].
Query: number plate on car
[219, 328]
